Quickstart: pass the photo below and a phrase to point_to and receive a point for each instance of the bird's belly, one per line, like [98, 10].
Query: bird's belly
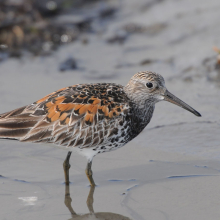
[90, 152]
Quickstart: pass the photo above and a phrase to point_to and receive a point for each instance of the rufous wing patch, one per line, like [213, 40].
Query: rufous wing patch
[67, 120]
[78, 106]
[94, 109]
[83, 109]
[89, 118]
[110, 114]
[63, 116]
[55, 116]
[51, 112]
[70, 109]
[66, 106]
[96, 101]
[44, 98]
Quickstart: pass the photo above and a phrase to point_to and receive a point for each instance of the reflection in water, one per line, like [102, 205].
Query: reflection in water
[91, 215]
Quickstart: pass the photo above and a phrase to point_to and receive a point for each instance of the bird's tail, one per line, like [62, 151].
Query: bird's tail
[16, 124]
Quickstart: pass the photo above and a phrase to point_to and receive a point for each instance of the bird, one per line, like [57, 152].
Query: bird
[90, 118]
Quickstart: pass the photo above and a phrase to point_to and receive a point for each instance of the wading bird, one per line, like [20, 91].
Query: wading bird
[90, 118]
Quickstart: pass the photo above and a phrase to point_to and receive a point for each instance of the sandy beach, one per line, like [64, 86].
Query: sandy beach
[171, 170]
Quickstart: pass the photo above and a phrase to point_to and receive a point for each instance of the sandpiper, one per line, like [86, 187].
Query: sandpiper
[90, 118]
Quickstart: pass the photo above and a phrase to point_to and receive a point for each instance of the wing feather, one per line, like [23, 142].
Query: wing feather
[72, 116]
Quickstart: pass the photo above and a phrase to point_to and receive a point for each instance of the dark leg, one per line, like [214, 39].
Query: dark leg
[90, 199]
[89, 173]
[68, 200]
[66, 167]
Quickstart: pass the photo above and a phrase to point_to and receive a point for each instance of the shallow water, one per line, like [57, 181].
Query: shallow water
[136, 184]
[171, 170]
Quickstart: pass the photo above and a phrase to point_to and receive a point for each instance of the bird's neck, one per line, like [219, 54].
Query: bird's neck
[141, 109]
[140, 117]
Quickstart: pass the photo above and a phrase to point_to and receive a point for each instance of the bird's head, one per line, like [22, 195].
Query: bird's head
[148, 88]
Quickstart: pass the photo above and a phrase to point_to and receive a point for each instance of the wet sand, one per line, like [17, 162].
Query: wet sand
[137, 182]
[171, 170]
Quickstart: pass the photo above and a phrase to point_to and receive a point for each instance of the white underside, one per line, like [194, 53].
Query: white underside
[89, 153]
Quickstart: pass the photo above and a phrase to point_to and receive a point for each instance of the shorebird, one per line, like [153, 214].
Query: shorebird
[90, 118]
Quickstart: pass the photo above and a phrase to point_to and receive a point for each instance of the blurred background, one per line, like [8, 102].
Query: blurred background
[47, 45]
[98, 40]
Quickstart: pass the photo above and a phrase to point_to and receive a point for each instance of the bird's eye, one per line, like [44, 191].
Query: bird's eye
[149, 85]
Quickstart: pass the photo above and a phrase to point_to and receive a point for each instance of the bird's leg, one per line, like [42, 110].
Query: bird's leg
[89, 173]
[68, 200]
[90, 199]
[66, 167]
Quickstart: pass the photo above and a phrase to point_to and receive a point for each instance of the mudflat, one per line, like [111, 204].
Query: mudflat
[171, 170]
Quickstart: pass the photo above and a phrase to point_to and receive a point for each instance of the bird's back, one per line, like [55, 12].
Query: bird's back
[84, 115]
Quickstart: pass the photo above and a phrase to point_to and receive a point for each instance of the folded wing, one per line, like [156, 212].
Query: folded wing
[80, 115]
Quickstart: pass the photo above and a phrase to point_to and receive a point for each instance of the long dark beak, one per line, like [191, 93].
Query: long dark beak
[173, 99]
